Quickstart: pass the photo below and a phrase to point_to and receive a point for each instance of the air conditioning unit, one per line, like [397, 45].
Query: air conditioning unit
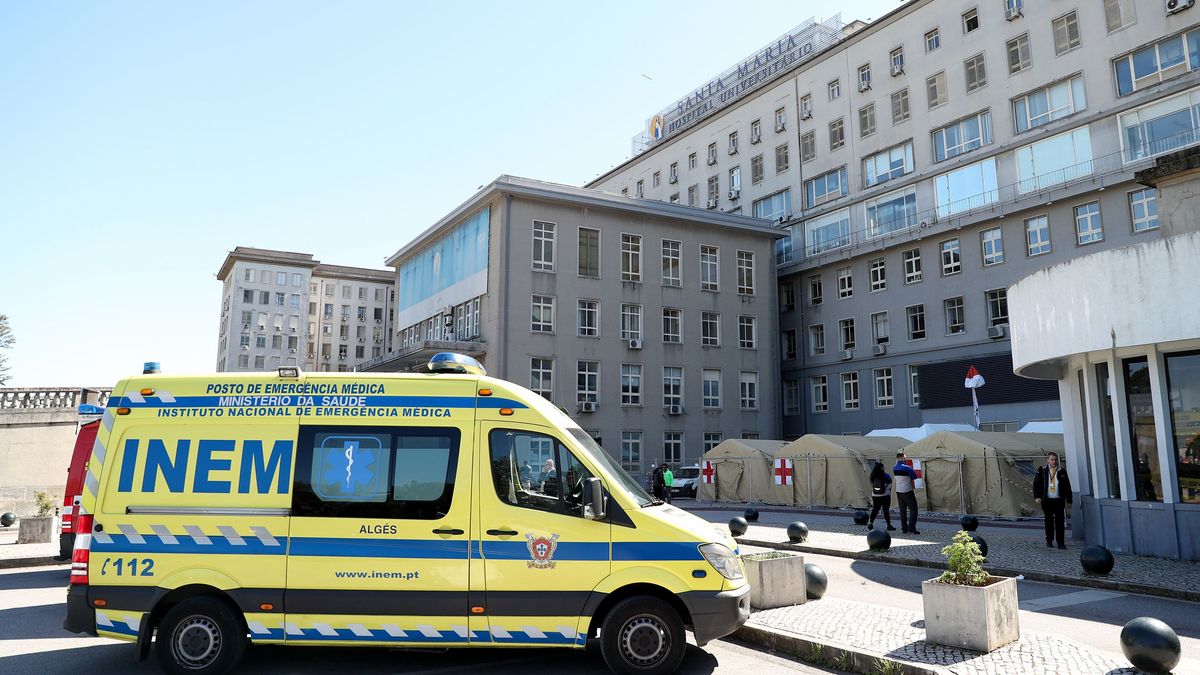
[712, 203]
[879, 350]
[326, 357]
[312, 356]
[996, 332]
[675, 410]
[673, 180]
[756, 138]
[635, 344]
[1175, 6]
[245, 348]
[245, 326]
[341, 357]
[587, 407]
[847, 354]
[362, 318]
[805, 114]
[362, 339]
[378, 320]
[779, 126]
[733, 149]
[897, 71]
[293, 329]
[291, 351]
[712, 159]
[735, 193]
[378, 340]
[864, 85]
[1014, 13]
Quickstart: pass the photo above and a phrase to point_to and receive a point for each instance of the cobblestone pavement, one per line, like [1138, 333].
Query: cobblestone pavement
[900, 635]
[1012, 550]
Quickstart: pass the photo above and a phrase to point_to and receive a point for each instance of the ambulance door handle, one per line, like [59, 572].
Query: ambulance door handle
[442, 530]
[502, 533]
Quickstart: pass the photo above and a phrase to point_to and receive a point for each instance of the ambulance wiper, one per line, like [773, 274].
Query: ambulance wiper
[655, 501]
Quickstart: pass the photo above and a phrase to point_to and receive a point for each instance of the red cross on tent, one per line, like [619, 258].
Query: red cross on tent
[783, 471]
[708, 472]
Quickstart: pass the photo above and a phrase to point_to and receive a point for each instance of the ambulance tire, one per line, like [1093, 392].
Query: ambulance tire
[643, 635]
[200, 636]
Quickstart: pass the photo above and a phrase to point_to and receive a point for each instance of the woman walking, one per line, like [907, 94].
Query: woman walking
[881, 496]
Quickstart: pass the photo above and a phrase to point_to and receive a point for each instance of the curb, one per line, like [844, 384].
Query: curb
[9, 563]
[1085, 582]
[828, 653]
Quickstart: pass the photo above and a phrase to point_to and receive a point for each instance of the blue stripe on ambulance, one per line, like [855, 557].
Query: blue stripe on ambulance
[368, 401]
[380, 548]
[151, 543]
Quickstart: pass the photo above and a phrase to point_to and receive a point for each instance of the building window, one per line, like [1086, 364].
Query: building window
[914, 389]
[1119, 14]
[806, 106]
[588, 318]
[712, 154]
[656, 179]
[815, 290]
[714, 191]
[776, 207]
[1143, 209]
[1143, 436]
[916, 321]
[589, 252]
[956, 318]
[892, 212]
[791, 397]
[820, 393]
[1056, 160]
[816, 339]
[674, 198]
[789, 340]
[1183, 389]
[781, 158]
[541, 377]
[631, 322]
[993, 246]
[877, 274]
[828, 232]
[935, 89]
[748, 390]
[672, 325]
[691, 161]
[970, 21]
[756, 169]
[787, 296]
[673, 173]
[997, 306]
[673, 447]
[1051, 103]
[709, 269]
[846, 331]
[745, 272]
[825, 188]
[835, 89]
[912, 266]
[962, 136]
[976, 72]
[755, 131]
[543, 314]
[1088, 226]
[631, 452]
[671, 263]
[881, 331]
[897, 60]
[1037, 235]
[639, 190]
[864, 77]
[747, 332]
[1066, 33]
[837, 134]
[672, 387]
[850, 391]
[1165, 125]
[543, 246]
[631, 384]
[631, 257]
[780, 119]
[900, 106]
[710, 329]
[866, 120]
[733, 142]
[884, 396]
[711, 440]
[951, 260]
[735, 182]
[1019, 56]
[808, 146]
[587, 382]
[933, 40]
[845, 282]
[971, 187]
[710, 394]
[1158, 62]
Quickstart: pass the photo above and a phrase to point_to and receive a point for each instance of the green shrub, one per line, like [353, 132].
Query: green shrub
[964, 562]
[44, 505]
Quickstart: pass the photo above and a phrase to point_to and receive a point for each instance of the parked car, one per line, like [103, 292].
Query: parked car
[687, 479]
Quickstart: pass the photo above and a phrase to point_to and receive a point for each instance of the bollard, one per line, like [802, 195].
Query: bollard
[797, 532]
[1150, 645]
[815, 581]
[738, 526]
[879, 540]
[751, 515]
[1096, 560]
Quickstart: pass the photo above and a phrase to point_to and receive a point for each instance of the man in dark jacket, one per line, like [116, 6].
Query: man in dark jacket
[1052, 489]
[657, 485]
[904, 486]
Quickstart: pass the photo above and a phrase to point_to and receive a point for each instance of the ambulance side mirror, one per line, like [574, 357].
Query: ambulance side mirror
[593, 499]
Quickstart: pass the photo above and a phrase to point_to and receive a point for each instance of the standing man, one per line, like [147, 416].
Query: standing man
[904, 486]
[656, 482]
[668, 483]
[1052, 489]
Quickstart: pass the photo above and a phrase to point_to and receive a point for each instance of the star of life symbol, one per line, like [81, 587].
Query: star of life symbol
[350, 448]
[541, 551]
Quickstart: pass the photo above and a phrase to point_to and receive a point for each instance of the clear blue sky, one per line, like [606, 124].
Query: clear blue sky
[141, 141]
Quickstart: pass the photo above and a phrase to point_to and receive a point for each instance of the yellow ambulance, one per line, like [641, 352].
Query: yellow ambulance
[435, 509]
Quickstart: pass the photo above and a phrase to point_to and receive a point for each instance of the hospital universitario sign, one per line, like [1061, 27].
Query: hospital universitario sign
[793, 48]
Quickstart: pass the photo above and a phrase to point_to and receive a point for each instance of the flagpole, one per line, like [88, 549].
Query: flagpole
[975, 403]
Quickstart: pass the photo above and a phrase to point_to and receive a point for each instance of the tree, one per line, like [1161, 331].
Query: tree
[6, 342]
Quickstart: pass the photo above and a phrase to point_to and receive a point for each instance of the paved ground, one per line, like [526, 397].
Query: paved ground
[11, 550]
[32, 606]
[1012, 547]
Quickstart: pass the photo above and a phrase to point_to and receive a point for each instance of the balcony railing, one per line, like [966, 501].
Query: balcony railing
[49, 398]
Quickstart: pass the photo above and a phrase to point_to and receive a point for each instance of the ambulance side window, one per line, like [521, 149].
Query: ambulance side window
[367, 472]
[535, 471]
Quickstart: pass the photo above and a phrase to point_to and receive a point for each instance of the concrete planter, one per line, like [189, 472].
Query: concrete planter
[36, 530]
[979, 618]
[776, 579]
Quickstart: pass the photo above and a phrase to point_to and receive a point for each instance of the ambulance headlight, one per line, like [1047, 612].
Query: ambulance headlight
[723, 560]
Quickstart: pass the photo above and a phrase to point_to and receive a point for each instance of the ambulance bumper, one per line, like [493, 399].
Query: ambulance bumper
[716, 614]
[81, 618]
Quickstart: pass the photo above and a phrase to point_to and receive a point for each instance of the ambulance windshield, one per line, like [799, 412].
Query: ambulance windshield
[599, 456]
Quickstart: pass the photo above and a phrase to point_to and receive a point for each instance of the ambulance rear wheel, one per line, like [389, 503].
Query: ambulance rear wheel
[643, 636]
[200, 636]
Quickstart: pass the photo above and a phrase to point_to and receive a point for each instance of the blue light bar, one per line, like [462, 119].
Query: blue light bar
[89, 409]
[449, 362]
[151, 368]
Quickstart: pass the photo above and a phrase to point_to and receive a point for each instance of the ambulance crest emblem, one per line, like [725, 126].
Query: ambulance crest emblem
[541, 551]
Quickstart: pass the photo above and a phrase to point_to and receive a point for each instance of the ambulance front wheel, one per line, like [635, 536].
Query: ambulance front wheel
[642, 636]
[200, 636]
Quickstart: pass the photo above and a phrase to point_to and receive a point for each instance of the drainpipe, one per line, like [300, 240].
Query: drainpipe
[502, 301]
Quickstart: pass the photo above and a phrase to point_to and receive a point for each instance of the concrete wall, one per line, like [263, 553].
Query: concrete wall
[35, 450]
